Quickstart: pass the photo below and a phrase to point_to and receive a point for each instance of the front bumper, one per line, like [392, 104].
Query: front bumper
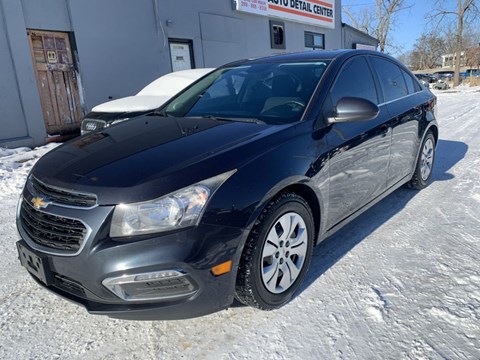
[192, 251]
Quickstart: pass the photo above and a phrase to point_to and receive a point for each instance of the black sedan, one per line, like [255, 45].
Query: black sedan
[224, 191]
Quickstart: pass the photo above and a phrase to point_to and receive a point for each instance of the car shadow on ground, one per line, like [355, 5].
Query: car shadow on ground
[332, 249]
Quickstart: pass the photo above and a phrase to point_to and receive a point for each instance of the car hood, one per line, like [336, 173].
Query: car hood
[132, 104]
[150, 156]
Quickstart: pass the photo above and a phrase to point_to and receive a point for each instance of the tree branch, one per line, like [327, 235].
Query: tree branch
[351, 17]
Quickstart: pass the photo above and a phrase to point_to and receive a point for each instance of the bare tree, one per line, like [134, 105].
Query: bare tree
[427, 51]
[466, 10]
[472, 56]
[406, 59]
[377, 22]
[386, 12]
[361, 20]
[471, 34]
[448, 32]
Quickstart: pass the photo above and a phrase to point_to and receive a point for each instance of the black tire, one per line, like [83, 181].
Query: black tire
[250, 287]
[419, 181]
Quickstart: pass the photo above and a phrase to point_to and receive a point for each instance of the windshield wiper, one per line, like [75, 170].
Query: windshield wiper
[239, 119]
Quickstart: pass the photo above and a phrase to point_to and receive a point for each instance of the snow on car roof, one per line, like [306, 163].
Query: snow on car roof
[174, 82]
[154, 94]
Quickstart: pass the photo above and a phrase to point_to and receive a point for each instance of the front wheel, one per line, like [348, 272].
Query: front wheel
[277, 253]
[424, 168]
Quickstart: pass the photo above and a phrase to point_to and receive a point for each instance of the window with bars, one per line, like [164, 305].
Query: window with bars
[314, 41]
[277, 35]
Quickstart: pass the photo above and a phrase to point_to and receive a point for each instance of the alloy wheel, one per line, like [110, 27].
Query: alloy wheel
[284, 252]
[426, 159]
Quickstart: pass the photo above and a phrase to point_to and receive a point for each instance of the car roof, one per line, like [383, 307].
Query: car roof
[312, 55]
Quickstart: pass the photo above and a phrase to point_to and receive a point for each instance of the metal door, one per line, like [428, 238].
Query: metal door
[181, 53]
[57, 80]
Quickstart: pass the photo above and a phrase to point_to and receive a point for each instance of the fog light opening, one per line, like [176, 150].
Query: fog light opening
[158, 285]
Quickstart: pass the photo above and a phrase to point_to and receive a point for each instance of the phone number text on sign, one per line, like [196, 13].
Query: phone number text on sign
[253, 6]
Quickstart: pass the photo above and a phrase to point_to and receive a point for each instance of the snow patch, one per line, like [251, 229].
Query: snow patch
[15, 165]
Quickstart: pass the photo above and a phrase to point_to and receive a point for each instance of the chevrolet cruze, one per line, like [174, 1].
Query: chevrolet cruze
[223, 192]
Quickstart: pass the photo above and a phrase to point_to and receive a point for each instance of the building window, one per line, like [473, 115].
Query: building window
[277, 34]
[314, 41]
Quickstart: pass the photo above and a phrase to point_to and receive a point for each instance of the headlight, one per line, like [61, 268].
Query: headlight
[173, 211]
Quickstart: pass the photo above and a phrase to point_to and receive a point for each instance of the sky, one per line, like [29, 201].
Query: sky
[410, 22]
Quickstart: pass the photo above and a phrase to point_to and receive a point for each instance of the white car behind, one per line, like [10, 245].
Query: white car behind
[148, 99]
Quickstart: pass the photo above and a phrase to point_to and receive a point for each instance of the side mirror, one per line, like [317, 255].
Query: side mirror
[353, 109]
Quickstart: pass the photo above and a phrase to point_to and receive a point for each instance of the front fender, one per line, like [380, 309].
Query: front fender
[240, 200]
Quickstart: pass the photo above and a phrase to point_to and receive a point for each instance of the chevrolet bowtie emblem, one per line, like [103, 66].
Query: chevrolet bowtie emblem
[39, 203]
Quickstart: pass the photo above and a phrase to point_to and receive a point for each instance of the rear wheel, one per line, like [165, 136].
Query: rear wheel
[277, 253]
[424, 168]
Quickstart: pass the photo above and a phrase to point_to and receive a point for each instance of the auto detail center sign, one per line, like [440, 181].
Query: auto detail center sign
[315, 12]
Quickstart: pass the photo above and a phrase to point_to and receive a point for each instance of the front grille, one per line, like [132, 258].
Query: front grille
[55, 232]
[61, 196]
[69, 285]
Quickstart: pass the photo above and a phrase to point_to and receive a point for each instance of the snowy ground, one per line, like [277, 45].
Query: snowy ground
[400, 282]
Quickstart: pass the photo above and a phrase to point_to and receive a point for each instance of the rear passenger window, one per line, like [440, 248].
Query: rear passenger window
[355, 80]
[391, 79]
[409, 82]
[417, 85]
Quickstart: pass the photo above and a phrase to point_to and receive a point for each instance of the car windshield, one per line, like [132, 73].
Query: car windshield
[274, 93]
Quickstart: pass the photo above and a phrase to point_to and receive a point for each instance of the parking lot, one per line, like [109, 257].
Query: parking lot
[401, 281]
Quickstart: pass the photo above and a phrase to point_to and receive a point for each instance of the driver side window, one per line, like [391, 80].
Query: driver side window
[355, 80]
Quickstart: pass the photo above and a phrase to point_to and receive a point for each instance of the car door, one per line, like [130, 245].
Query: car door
[405, 108]
[359, 151]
